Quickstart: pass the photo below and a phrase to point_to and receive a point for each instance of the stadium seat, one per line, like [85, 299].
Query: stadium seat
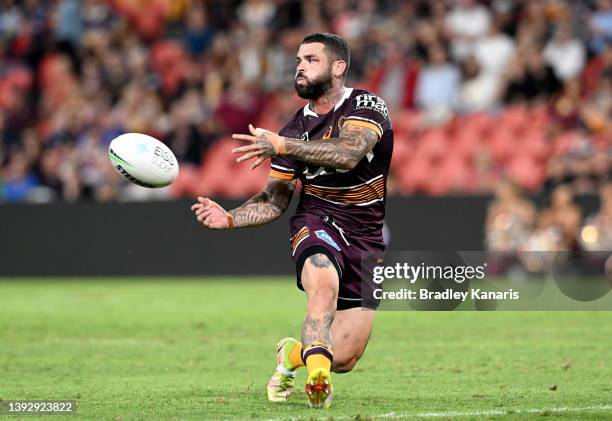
[186, 183]
[432, 144]
[504, 144]
[412, 177]
[534, 145]
[563, 143]
[514, 119]
[402, 151]
[406, 121]
[526, 172]
[478, 123]
[465, 143]
[221, 175]
[452, 176]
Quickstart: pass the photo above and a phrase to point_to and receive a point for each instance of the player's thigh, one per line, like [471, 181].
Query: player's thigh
[320, 278]
[350, 333]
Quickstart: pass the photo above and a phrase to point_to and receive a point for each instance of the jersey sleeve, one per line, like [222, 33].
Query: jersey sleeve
[283, 168]
[368, 110]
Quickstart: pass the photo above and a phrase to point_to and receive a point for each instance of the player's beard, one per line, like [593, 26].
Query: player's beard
[316, 88]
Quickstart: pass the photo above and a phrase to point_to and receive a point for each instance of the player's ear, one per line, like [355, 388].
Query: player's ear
[338, 68]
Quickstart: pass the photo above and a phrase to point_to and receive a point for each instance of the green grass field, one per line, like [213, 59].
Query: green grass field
[204, 349]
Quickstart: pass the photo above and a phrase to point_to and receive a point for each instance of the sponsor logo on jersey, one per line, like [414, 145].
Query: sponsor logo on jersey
[371, 102]
[323, 235]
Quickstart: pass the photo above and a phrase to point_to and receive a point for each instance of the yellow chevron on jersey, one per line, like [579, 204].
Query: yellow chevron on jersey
[363, 122]
[361, 194]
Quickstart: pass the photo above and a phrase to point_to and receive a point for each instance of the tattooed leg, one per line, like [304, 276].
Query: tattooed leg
[320, 282]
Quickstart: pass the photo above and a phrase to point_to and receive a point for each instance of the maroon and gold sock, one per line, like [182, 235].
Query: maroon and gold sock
[317, 355]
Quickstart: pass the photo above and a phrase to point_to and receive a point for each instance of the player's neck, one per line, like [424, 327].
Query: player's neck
[328, 101]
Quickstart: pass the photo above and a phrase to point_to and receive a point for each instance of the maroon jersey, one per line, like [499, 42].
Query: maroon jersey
[354, 198]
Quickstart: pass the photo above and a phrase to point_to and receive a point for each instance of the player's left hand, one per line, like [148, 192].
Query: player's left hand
[264, 144]
[212, 215]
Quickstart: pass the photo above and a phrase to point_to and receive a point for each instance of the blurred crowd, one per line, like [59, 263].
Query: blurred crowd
[522, 238]
[76, 73]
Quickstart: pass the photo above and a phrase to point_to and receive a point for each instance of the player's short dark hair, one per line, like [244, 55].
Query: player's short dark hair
[335, 46]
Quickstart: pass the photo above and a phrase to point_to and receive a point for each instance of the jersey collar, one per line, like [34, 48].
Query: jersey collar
[347, 93]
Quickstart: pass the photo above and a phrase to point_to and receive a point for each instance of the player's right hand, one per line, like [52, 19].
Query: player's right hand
[211, 215]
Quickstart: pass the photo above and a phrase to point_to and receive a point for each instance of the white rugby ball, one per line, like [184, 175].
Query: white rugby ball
[143, 160]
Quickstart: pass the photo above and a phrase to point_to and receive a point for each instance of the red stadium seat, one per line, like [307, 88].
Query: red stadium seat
[432, 144]
[526, 172]
[465, 144]
[478, 123]
[221, 175]
[563, 143]
[186, 183]
[406, 121]
[452, 175]
[514, 119]
[402, 151]
[413, 177]
[504, 144]
[535, 145]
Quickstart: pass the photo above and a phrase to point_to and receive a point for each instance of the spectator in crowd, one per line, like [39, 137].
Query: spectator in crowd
[19, 181]
[395, 77]
[565, 53]
[509, 222]
[557, 224]
[199, 34]
[510, 219]
[596, 233]
[466, 23]
[438, 83]
[494, 51]
[555, 231]
[598, 68]
[257, 14]
[479, 91]
[69, 26]
[600, 23]
[75, 74]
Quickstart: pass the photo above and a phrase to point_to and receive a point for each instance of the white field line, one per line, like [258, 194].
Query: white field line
[450, 414]
[509, 411]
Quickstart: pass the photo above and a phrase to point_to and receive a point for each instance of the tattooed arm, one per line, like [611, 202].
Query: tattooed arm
[343, 152]
[260, 209]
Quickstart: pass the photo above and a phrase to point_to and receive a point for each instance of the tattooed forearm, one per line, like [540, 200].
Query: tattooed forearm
[317, 328]
[266, 206]
[343, 152]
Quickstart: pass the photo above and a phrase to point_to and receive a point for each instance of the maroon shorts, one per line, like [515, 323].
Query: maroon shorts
[353, 257]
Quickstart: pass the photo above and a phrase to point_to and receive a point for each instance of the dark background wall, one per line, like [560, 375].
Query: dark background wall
[162, 238]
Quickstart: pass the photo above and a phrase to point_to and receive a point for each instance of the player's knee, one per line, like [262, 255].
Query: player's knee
[345, 364]
[322, 298]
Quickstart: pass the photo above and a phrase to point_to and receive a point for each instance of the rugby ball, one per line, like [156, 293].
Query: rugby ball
[143, 160]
